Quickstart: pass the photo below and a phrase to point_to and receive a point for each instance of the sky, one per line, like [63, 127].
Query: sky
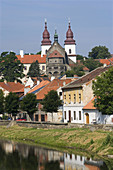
[22, 23]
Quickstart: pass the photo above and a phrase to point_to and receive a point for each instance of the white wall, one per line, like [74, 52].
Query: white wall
[72, 47]
[44, 48]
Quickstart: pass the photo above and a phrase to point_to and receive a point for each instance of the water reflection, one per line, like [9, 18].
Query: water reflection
[14, 156]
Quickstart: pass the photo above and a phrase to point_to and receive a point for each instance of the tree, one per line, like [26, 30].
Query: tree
[1, 102]
[79, 70]
[51, 102]
[34, 70]
[92, 64]
[10, 67]
[12, 104]
[99, 52]
[29, 104]
[103, 90]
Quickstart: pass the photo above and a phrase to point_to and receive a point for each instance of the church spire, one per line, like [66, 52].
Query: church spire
[46, 36]
[55, 36]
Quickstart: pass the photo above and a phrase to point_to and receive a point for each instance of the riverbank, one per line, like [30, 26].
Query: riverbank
[99, 142]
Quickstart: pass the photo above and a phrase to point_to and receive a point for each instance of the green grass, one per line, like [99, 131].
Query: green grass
[80, 138]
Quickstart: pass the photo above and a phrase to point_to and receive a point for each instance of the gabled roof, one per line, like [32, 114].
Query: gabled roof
[86, 78]
[106, 61]
[54, 85]
[12, 86]
[28, 59]
[42, 84]
[90, 105]
[55, 54]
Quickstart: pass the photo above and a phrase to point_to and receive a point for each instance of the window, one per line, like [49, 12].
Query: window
[65, 99]
[55, 61]
[60, 93]
[43, 67]
[69, 51]
[25, 67]
[74, 115]
[79, 98]
[45, 51]
[55, 53]
[111, 119]
[75, 157]
[74, 98]
[81, 158]
[55, 67]
[65, 114]
[79, 115]
[69, 98]
[70, 156]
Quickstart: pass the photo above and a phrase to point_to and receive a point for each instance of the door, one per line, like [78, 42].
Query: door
[87, 118]
[69, 115]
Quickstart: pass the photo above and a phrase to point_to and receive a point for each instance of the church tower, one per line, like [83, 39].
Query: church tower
[70, 45]
[46, 43]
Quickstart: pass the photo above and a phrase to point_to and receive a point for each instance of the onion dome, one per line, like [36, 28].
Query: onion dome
[55, 36]
[69, 36]
[46, 36]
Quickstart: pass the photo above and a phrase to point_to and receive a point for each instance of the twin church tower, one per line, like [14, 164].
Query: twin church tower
[70, 45]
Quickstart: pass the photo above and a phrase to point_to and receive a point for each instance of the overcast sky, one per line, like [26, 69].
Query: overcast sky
[22, 23]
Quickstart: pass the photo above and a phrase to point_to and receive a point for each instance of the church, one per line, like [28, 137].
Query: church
[54, 59]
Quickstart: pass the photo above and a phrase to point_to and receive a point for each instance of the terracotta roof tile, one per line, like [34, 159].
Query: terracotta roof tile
[28, 59]
[12, 86]
[54, 85]
[90, 105]
[42, 83]
[55, 54]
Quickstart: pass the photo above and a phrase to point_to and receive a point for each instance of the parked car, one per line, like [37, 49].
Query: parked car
[9, 118]
[21, 119]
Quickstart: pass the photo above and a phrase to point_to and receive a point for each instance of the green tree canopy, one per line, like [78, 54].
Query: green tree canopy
[12, 103]
[92, 64]
[51, 102]
[1, 102]
[103, 90]
[34, 70]
[29, 104]
[99, 52]
[10, 67]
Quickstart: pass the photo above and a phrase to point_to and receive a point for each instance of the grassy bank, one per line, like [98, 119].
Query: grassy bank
[99, 142]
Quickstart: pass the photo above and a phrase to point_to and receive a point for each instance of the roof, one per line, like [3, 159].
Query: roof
[42, 84]
[106, 61]
[86, 78]
[55, 54]
[90, 105]
[28, 59]
[12, 86]
[54, 85]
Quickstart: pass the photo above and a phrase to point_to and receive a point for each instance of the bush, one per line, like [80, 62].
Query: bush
[91, 141]
[107, 140]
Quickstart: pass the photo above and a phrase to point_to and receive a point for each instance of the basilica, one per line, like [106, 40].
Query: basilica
[54, 60]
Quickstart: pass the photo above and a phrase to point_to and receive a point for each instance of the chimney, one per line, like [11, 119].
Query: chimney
[5, 81]
[22, 53]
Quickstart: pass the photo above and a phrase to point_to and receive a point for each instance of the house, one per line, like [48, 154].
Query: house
[92, 114]
[14, 87]
[56, 84]
[77, 94]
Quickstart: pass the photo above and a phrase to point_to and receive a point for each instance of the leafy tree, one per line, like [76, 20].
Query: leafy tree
[80, 57]
[51, 102]
[10, 67]
[29, 104]
[34, 70]
[103, 90]
[92, 64]
[99, 52]
[1, 102]
[12, 104]
[70, 73]
[38, 52]
[79, 70]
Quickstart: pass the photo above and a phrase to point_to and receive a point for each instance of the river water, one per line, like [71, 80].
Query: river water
[17, 156]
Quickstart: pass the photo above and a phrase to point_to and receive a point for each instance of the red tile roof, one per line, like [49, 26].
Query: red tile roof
[12, 86]
[90, 105]
[55, 54]
[28, 59]
[42, 83]
[106, 61]
[54, 85]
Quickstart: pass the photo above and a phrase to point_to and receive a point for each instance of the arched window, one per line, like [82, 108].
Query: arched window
[69, 51]
[45, 51]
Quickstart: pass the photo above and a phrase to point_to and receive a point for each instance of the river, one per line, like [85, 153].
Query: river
[18, 156]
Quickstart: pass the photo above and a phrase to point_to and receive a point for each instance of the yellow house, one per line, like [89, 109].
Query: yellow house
[77, 94]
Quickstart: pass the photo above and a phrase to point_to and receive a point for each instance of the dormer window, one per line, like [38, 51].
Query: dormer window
[69, 51]
[55, 53]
